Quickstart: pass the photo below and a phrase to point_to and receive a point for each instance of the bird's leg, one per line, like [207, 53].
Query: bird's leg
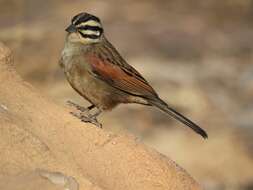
[92, 118]
[97, 113]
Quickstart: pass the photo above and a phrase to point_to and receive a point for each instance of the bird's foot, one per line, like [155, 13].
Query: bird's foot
[84, 114]
[87, 118]
[78, 107]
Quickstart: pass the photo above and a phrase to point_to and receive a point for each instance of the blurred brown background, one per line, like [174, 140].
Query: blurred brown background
[197, 54]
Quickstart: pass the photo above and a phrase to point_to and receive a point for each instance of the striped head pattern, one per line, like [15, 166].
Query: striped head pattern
[85, 28]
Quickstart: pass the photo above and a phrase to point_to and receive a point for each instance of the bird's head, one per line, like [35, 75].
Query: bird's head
[84, 28]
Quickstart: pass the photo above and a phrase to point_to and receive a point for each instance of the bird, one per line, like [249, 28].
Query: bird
[97, 72]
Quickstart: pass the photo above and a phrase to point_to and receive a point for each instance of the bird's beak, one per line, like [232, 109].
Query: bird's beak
[71, 28]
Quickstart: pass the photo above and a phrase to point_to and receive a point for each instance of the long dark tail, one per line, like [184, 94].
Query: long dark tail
[164, 107]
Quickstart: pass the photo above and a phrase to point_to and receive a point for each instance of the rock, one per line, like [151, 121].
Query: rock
[37, 133]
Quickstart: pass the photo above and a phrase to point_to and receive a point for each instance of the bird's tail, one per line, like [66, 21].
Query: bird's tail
[164, 107]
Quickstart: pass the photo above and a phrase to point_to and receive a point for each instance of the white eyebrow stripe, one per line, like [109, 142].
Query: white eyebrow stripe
[90, 23]
[90, 32]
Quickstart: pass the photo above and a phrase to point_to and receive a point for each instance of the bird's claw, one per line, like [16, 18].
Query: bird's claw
[92, 120]
[78, 107]
[87, 118]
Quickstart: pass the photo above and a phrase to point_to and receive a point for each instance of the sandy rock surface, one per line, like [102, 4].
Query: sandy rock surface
[36, 133]
[39, 180]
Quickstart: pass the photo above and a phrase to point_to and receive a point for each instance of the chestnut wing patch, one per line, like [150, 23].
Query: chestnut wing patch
[126, 79]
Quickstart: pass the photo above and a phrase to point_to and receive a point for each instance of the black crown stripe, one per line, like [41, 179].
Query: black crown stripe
[84, 17]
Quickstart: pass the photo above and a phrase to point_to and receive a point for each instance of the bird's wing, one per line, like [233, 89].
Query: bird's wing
[120, 75]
